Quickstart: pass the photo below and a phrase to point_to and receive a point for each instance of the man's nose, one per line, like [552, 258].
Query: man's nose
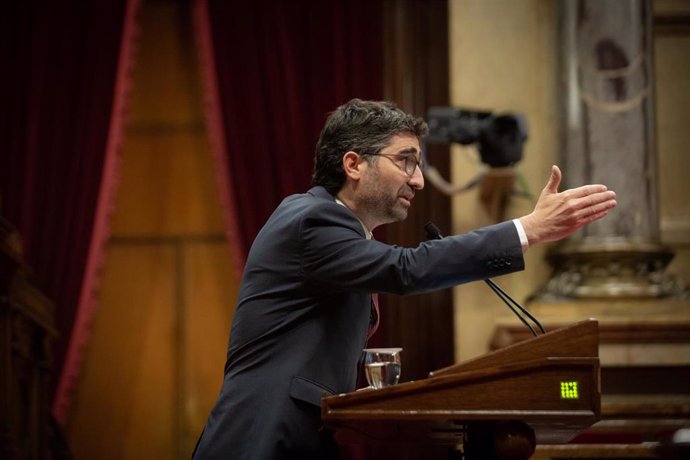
[417, 179]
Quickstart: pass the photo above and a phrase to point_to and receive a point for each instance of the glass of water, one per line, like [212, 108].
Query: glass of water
[382, 366]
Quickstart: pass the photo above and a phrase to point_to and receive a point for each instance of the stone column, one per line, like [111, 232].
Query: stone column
[608, 137]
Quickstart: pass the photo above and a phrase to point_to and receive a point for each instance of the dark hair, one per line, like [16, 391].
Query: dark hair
[363, 127]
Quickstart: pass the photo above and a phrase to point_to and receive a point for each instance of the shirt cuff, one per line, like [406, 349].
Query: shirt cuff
[524, 242]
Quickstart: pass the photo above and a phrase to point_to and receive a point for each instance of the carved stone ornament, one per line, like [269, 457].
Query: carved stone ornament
[611, 269]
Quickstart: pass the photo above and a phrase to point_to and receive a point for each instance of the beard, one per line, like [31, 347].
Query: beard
[381, 204]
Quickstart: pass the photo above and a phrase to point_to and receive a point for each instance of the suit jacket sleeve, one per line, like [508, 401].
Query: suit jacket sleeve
[336, 256]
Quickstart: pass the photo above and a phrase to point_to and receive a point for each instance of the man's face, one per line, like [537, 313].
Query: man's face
[387, 189]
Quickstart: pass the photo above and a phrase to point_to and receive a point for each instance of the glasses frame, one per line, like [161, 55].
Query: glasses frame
[411, 161]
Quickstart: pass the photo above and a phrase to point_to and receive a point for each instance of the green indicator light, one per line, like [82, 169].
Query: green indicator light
[569, 390]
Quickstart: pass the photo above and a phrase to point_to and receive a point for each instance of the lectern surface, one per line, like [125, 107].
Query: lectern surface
[551, 383]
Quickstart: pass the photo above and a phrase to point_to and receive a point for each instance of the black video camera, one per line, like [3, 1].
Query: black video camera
[500, 137]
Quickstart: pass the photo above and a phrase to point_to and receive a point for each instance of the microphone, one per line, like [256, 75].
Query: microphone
[433, 233]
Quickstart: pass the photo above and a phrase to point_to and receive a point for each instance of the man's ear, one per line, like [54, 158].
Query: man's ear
[352, 165]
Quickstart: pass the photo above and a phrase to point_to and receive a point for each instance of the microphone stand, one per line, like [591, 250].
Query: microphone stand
[433, 233]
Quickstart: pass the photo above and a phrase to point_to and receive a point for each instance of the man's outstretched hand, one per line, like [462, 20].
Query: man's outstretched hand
[558, 214]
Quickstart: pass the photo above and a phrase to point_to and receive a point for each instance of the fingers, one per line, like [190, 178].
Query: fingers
[554, 180]
[595, 210]
[585, 190]
[596, 216]
[595, 201]
[592, 217]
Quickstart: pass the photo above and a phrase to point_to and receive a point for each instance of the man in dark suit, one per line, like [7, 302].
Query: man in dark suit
[304, 311]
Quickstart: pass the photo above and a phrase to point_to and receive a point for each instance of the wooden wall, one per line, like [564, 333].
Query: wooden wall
[154, 364]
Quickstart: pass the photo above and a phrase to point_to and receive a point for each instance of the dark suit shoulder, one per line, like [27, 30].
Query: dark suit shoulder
[318, 208]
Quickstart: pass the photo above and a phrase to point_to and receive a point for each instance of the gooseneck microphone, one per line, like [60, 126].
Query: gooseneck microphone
[433, 233]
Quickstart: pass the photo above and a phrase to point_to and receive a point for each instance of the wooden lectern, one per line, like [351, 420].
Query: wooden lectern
[543, 390]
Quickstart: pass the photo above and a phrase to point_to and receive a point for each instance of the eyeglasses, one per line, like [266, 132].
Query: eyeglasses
[411, 161]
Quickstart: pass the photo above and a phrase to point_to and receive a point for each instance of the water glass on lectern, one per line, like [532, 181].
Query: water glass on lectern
[382, 366]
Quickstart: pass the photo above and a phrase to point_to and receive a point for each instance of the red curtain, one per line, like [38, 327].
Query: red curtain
[273, 70]
[59, 128]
